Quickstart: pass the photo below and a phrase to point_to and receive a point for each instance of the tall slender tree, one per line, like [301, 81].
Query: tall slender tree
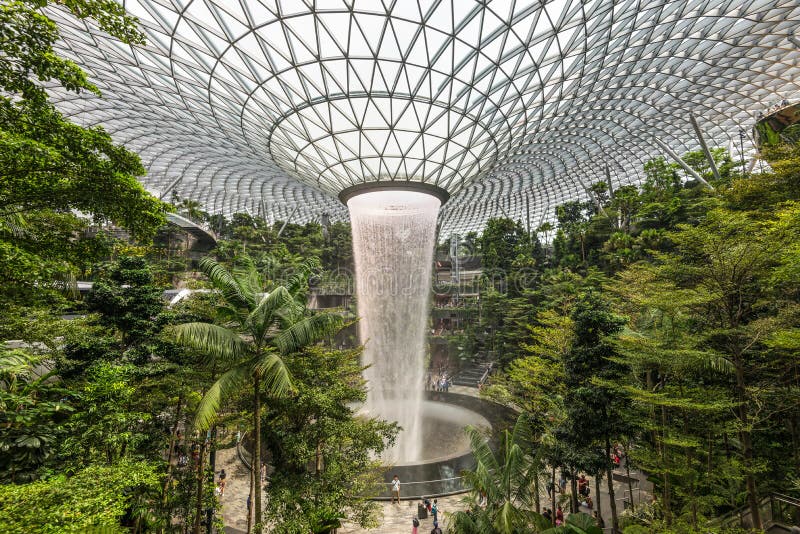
[259, 322]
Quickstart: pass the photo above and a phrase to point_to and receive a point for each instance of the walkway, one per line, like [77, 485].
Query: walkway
[237, 487]
[206, 239]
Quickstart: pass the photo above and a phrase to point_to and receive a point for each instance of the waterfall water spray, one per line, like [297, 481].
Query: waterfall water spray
[393, 240]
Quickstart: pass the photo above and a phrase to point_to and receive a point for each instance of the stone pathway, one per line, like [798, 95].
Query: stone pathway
[237, 488]
[396, 518]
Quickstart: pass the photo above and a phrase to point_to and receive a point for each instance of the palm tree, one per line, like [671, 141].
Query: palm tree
[504, 478]
[261, 321]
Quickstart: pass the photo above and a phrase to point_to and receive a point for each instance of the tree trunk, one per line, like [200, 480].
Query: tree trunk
[793, 430]
[747, 446]
[598, 505]
[199, 493]
[250, 497]
[611, 499]
[536, 494]
[553, 497]
[171, 448]
[573, 488]
[628, 474]
[257, 452]
[710, 453]
[665, 466]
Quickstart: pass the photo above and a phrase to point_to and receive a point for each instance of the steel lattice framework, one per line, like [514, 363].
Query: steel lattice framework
[512, 106]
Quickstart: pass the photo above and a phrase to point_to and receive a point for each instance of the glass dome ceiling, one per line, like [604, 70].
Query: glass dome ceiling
[275, 106]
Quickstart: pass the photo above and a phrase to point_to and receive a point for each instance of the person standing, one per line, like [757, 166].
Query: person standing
[222, 481]
[396, 489]
[414, 526]
[559, 516]
[436, 529]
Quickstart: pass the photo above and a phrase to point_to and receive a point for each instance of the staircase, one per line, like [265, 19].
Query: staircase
[779, 513]
[472, 372]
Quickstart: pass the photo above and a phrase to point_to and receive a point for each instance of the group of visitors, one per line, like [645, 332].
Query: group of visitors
[773, 108]
[425, 508]
[584, 491]
[557, 518]
[438, 382]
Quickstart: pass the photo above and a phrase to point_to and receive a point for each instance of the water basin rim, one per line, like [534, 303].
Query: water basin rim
[395, 185]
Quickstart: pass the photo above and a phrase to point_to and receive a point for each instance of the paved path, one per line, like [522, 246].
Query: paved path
[396, 518]
[237, 488]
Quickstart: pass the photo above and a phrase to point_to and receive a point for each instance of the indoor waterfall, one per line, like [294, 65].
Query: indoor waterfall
[393, 242]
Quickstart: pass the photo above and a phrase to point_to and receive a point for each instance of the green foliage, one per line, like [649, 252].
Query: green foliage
[98, 498]
[506, 478]
[127, 299]
[512, 259]
[31, 411]
[50, 167]
[46, 161]
[324, 453]
[264, 321]
[104, 427]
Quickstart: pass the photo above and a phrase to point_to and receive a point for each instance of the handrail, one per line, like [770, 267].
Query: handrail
[766, 505]
[423, 481]
[786, 498]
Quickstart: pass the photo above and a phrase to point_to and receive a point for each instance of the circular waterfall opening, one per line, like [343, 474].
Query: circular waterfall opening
[442, 433]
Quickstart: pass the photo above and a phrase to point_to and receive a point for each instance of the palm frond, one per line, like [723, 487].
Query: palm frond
[275, 376]
[262, 316]
[230, 381]
[475, 522]
[226, 283]
[481, 451]
[719, 364]
[584, 522]
[307, 332]
[507, 519]
[15, 363]
[212, 341]
[298, 282]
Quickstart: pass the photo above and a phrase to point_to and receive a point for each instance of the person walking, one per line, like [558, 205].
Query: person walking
[435, 511]
[415, 526]
[559, 516]
[396, 489]
[436, 529]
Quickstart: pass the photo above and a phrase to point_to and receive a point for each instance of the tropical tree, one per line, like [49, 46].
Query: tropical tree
[327, 454]
[504, 479]
[260, 322]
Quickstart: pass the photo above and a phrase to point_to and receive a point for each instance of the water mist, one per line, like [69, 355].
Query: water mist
[394, 235]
